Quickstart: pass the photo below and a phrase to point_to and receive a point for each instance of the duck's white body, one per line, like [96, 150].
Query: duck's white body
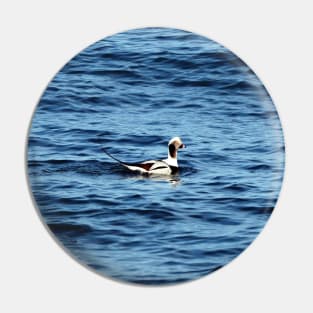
[168, 166]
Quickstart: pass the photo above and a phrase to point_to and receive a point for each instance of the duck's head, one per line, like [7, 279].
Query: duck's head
[173, 145]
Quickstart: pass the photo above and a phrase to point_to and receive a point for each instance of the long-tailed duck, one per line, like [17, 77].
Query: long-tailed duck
[159, 167]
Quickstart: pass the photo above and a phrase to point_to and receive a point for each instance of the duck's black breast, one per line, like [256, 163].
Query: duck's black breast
[174, 169]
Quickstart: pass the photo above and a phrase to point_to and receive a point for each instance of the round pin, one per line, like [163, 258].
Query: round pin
[155, 156]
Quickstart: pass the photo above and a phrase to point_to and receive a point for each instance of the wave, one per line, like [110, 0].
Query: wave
[259, 167]
[68, 227]
[192, 83]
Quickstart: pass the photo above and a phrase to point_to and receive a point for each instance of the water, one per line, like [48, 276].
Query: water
[130, 93]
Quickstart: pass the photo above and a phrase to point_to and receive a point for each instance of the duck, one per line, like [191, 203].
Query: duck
[167, 166]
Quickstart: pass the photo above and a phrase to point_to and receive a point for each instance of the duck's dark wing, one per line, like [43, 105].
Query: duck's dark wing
[151, 167]
[160, 168]
[145, 166]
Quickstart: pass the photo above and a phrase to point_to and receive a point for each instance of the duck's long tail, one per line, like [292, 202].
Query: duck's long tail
[142, 168]
[112, 157]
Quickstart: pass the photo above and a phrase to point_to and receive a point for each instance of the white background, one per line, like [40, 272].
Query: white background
[274, 38]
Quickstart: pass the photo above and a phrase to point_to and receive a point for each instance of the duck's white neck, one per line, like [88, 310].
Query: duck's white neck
[171, 161]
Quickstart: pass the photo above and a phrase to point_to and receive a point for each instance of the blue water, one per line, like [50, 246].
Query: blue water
[130, 93]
